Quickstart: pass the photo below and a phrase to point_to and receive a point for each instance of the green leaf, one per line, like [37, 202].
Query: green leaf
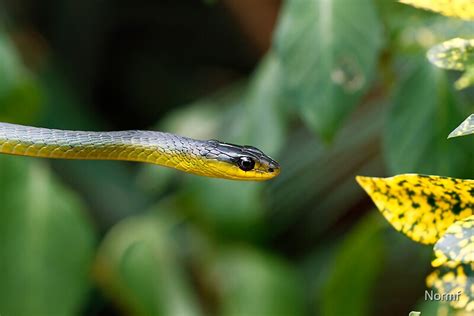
[228, 208]
[412, 31]
[46, 242]
[254, 283]
[138, 266]
[328, 57]
[263, 105]
[466, 128]
[425, 109]
[463, 9]
[20, 96]
[349, 289]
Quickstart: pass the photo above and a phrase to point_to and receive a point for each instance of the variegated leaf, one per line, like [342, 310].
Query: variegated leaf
[455, 285]
[422, 207]
[457, 244]
[463, 9]
[455, 54]
[466, 128]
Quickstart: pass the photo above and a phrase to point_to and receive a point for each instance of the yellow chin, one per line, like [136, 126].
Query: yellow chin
[219, 169]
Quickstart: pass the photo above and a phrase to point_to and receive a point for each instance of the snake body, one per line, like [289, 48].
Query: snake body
[202, 157]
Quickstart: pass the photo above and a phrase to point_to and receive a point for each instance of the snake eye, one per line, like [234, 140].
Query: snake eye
[246, 163]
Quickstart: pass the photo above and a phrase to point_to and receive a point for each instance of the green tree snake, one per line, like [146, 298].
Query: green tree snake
[209, 158]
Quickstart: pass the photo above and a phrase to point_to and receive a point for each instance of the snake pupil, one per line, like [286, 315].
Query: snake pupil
[246, 163]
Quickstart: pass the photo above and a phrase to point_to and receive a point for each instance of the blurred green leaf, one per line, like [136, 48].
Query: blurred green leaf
[463, 9]
[414, 31]
[349, 289]
[20, 96]
[47, 243]
[328, 57]
[138, 266]
[465, 128]
[316, 268]
[263, 120]
[255, 283]
[397, 288]
[425, 109]
[227, 208]
[303, 206]
[11, 69]
[254, 113]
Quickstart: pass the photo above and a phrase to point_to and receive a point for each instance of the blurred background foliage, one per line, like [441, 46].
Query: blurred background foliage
[331, 89]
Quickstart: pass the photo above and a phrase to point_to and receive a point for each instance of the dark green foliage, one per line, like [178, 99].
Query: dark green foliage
[420, 119]
[47, 242]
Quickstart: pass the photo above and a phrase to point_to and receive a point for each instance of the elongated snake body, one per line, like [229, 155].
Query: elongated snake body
[209, 158]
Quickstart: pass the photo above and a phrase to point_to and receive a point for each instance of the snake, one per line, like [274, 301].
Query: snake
[210, 158]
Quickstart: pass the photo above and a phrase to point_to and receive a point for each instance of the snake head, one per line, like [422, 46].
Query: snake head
[241, 162]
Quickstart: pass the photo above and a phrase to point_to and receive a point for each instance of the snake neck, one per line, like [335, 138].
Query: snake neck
[144, 146]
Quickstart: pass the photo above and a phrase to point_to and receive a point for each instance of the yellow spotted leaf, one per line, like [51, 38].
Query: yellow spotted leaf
[455, 285]
[466, 128]
[457, 244]
[422, 207]
[455, 54]
[463, 9]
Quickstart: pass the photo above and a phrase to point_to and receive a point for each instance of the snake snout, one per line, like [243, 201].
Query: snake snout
[273, 167]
